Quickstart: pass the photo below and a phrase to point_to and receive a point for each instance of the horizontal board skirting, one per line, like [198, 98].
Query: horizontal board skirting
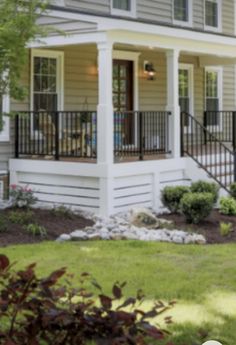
[131, 191]
[71, 204]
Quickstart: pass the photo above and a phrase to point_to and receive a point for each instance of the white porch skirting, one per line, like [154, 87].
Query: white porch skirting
[102, 189]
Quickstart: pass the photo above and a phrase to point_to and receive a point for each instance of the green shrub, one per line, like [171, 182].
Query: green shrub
[62, 211]
[228, 206]
[36, 230]
[18, 217]
[48, 311]
[233, 190]
[171, 197]
[225, 228]
[3, 224]
[196, 206]
[205, 187]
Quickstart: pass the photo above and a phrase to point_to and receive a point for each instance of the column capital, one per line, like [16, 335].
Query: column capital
[172, 53]
[105, 45]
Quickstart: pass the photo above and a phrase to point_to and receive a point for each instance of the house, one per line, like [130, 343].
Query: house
[130, 96]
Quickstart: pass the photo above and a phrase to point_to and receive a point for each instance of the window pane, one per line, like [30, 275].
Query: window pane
[181, 10]
[211, 12]
[122, 4]
[183, 83]
[212, 84]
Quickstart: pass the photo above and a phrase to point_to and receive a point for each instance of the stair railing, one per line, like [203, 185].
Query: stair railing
[197, 142]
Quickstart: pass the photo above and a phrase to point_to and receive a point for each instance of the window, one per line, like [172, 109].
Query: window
[46, 77]
[186, 90]
[213, 14]
[213, 94]
[5, 108]
[182, 12]
[123, 7]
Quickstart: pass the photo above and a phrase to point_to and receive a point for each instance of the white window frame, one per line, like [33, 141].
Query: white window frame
[188, 23]
[124, 13]
[190, 69]
[5, 133]
[59, 55]
[219, 71]
[219, 17]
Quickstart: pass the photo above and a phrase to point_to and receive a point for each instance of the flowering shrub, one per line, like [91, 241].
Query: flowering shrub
[21, 196]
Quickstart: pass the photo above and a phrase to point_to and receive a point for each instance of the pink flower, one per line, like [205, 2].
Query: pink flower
[13, 186]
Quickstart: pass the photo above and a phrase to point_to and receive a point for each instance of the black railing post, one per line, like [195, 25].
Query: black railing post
[182, 133]
[17, 136]
[141, 136]
[56, 118]
[205, 126]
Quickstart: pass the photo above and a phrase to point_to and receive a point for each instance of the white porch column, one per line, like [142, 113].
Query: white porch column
[173, 100]
[105, 106]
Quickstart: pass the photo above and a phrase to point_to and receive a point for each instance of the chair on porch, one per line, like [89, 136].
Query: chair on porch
[67, 144]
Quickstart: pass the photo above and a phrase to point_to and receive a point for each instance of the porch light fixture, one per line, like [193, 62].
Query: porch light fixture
[149, 70]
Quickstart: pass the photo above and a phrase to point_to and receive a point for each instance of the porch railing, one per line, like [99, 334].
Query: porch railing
[140, 133]
[222, 125]
[56, 133]
[213, 156]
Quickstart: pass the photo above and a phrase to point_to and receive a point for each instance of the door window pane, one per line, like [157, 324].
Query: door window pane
[181, 10]
[211, 13]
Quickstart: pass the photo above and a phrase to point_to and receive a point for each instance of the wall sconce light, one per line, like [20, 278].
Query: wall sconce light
[149, 70]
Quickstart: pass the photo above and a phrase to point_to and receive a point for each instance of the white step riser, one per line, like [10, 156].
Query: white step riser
[215, 159]
[221, 170]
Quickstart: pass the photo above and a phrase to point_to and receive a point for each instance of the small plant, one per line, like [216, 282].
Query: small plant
[171, 197]
[62, 211]
[36, 230]
[196, 206]
[232, 189]
[21, 218]
[227, 206]
[226, 228]
[3, 224]
[205, 187]
[22, 196]
[43, 311]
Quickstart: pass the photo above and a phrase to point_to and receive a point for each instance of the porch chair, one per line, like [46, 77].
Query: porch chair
[66, 143]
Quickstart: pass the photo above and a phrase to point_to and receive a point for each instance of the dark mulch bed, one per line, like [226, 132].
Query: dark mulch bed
[209, 227]
[55, 224]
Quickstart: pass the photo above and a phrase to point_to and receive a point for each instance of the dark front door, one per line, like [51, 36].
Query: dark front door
[123, 97]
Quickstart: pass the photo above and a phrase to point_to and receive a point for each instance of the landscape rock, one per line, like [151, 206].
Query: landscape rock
[137, 224]
[79, 235]
[143, 217]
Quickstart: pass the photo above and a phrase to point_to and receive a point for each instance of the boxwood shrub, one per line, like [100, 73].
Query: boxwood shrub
[205, 187]
[233, 190]
[171, 197]
[196, 206]
[227, 206]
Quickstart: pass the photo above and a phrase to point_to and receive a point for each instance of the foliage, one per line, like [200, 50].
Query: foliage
[42, 311]
[22, 196]
[228, 206]
[36, 230]
[171, 197]
[226, 228]
[3, 224]
[17, 27]
[232, 189]
[196, 206]
[62, 211]
[205, 187]
[22, 218]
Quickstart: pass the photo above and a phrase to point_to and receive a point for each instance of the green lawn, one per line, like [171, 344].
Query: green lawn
[201, 278]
